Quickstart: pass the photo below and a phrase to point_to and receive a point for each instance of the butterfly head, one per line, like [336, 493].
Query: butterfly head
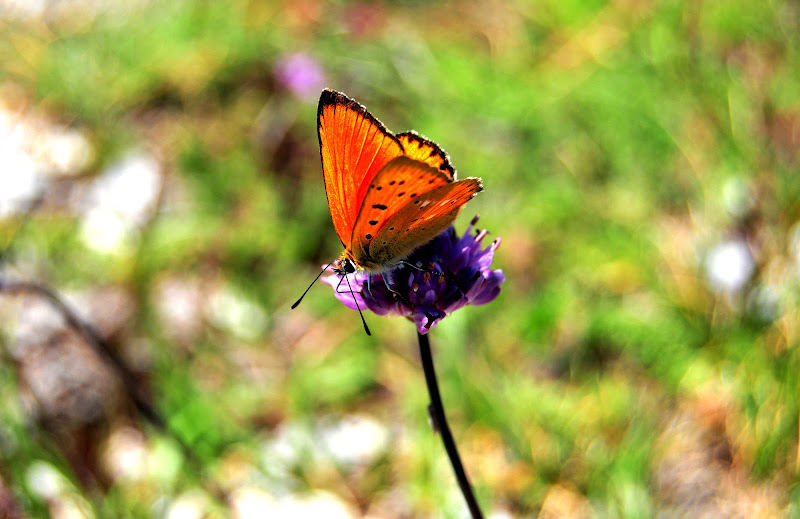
[344, 267]
[346, 264]
[351, 262]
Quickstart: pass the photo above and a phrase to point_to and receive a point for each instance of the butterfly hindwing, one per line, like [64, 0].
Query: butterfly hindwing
[418, 147]
[354, 146]
[400, 183]
[421, 220]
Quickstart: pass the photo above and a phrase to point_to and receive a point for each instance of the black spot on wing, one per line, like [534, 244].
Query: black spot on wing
[373, 222]
[379, 206]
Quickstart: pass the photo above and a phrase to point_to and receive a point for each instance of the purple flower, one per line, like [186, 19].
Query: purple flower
[300, 74]
[450, 272]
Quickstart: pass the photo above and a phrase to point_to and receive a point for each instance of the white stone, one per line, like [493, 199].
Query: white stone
[237, 314]
[355, 439]
[193, 504]
[729, 265]
[119, 202]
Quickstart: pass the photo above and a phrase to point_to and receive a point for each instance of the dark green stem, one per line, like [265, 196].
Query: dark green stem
[436, 411]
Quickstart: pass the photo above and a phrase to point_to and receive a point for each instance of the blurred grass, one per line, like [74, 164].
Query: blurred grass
[619, 143]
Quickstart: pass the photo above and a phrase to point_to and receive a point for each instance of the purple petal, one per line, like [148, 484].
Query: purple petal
[490, 288]
[427, 318]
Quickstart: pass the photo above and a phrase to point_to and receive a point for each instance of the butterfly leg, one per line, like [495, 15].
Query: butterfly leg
[436, 272]
[341, 279]
[404, 262]
[369, 287]
[396, 294]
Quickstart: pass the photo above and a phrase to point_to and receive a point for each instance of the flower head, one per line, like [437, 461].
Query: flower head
[437, 279]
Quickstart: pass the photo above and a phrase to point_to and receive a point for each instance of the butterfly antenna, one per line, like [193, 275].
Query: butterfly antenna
[364, 321]
[312, 284]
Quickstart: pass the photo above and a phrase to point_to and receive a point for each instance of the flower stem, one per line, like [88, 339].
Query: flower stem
[436, 410]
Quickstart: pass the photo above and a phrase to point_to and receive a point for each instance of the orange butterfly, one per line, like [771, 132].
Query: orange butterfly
[388, 194]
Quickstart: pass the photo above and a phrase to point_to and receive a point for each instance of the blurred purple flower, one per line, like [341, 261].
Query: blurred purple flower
[452, 272]
[300, 74]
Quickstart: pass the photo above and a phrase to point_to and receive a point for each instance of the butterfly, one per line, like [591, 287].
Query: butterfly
[387, 194]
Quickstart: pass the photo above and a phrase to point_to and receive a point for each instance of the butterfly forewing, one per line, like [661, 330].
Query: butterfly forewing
[421, 220]
[354, 146]
[425, 150]
[400, 183]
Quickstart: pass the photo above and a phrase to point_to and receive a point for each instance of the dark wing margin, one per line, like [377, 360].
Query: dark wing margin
[423, 149]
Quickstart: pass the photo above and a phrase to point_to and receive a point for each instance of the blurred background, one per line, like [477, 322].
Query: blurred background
[159, 170]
